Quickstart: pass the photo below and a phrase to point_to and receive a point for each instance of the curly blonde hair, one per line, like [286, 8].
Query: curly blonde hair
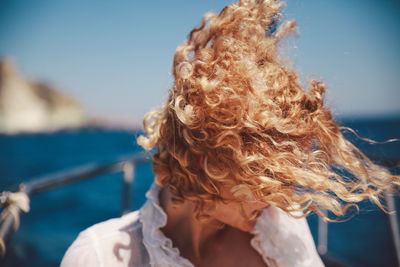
[238, 117]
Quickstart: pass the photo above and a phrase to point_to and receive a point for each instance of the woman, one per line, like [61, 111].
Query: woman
[244, 154]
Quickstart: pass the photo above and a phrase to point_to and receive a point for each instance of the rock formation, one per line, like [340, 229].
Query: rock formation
[27, 106]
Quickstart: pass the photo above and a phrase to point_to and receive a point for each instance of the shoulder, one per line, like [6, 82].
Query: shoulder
[112, 242]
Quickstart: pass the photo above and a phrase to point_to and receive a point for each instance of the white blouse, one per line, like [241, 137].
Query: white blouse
[135, 239]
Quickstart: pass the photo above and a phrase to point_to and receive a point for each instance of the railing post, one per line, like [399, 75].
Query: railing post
[128, 172]
[394, 225]
[322, 235]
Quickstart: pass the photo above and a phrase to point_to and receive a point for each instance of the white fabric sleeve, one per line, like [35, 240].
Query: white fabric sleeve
[83, 252]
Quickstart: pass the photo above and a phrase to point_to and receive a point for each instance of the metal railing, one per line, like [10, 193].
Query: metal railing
[322, 244]
[9, 218]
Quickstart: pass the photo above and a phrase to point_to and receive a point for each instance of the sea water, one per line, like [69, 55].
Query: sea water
[56, 217]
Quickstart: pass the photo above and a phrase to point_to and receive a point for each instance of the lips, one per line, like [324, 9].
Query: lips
[258, 214]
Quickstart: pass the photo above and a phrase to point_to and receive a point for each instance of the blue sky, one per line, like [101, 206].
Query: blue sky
[115, 56]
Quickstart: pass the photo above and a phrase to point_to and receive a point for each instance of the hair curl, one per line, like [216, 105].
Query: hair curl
[238, 117]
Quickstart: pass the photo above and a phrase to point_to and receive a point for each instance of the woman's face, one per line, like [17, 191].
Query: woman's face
[241, 215]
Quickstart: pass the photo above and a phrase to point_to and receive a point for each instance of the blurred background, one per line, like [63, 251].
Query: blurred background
[76, 78]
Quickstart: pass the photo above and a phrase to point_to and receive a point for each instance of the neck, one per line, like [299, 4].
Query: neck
[186, 232]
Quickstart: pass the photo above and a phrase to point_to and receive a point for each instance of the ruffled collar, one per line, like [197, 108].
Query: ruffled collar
[159, 247]
[280, 239]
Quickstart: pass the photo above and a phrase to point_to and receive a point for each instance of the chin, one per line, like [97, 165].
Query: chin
[247, 226]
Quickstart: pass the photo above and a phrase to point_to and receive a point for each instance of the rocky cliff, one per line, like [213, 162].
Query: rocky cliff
[27, 106]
